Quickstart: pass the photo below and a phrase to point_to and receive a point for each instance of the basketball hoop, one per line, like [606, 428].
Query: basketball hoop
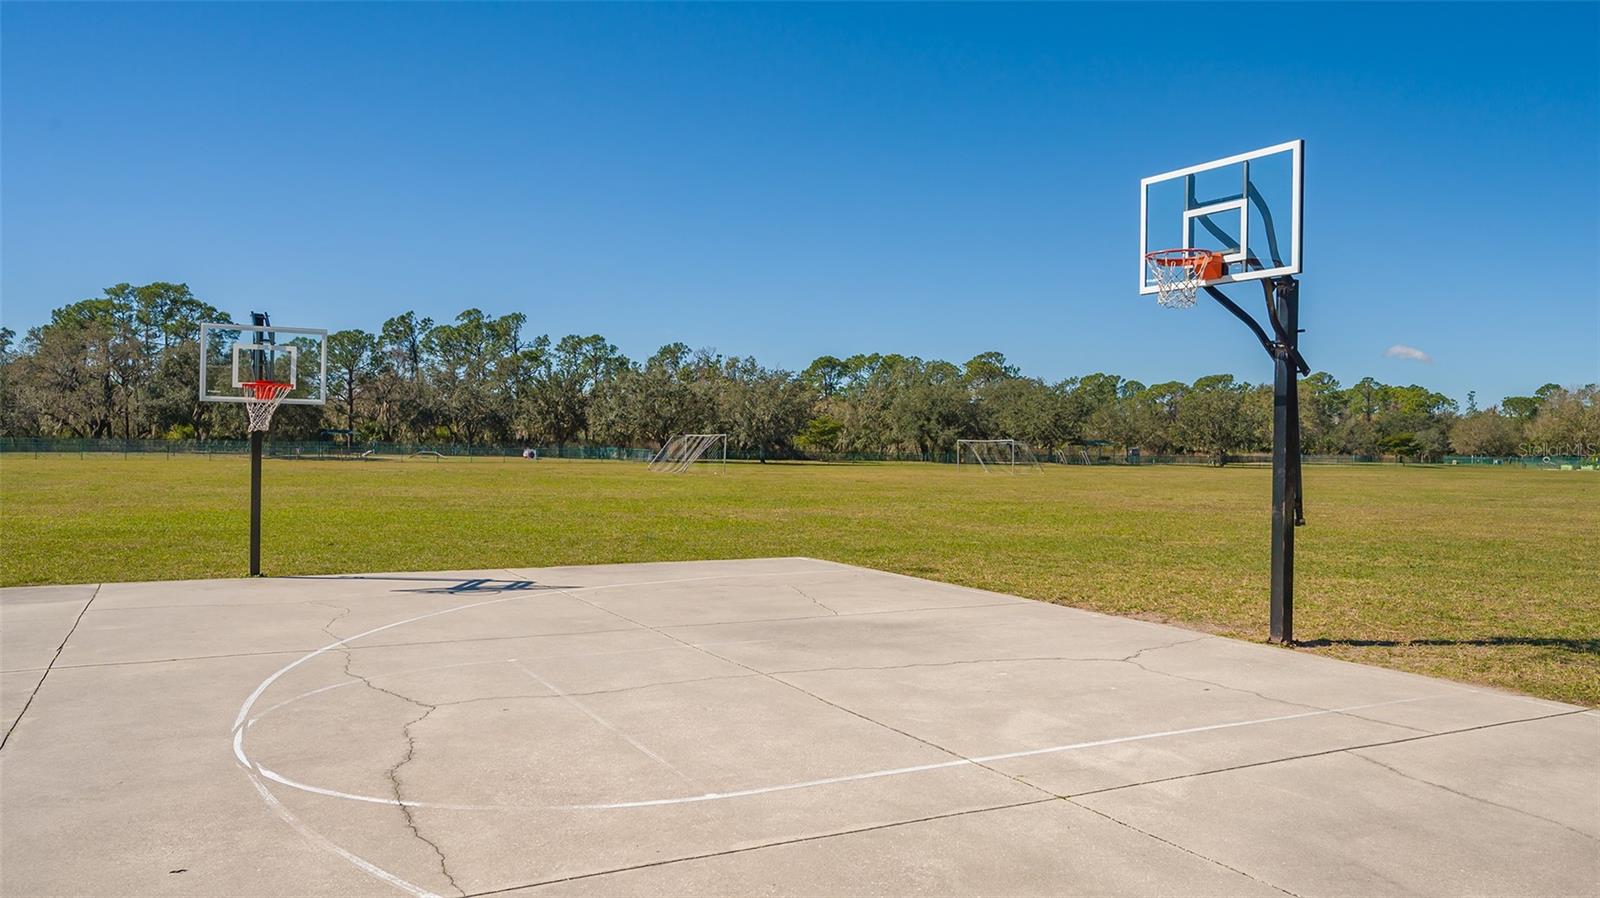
[1177, 274]
[261, 399]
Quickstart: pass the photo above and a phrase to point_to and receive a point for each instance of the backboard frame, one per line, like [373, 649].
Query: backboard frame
[321, 335]
[1241, 204]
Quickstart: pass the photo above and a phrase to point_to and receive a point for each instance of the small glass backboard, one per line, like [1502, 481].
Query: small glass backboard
[232, 355]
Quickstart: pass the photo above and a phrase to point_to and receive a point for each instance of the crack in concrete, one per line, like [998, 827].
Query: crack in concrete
[1131, 659]
[1495, 804]
[405, 809]
[49, 667]
[393, 773]
[328, 627]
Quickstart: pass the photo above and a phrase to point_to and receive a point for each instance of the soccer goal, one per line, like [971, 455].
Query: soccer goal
[682, 451]
[1010, 456]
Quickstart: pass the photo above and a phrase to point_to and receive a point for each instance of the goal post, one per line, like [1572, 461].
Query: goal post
[680, 453]
[1004, 455]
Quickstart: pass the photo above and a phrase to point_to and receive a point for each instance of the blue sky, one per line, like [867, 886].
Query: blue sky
[789, 181]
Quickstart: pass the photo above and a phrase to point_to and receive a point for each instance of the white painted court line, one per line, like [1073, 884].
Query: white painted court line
[321, 841]
[827, 781]
[985, 759]
[373, 799]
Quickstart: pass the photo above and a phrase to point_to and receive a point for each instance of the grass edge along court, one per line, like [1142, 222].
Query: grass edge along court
[1484, 576]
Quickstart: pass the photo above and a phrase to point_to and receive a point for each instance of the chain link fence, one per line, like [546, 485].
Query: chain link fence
[325, 449]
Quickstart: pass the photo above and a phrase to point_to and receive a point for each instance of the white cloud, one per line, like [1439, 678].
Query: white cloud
[1401, 351]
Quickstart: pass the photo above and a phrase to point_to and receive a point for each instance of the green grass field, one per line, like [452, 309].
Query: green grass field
[1484, 575]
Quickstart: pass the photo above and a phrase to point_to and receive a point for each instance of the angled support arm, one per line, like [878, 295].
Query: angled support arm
[1274, 316]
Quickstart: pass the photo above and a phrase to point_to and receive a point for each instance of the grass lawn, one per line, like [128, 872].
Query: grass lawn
[1484, 575]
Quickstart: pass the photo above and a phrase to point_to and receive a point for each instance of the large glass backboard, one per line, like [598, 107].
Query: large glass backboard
[1245, 207]
[234, 354]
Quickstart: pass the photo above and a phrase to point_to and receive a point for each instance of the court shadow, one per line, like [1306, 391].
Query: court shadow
[1581, 646]
[456, 585]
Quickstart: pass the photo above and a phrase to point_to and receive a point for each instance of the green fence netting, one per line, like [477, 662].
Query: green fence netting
[325, 449]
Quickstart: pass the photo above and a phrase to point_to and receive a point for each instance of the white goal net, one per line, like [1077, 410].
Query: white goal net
[996, 455]
[682, 451]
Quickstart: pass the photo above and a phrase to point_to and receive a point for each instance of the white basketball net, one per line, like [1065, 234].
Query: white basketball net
[1177, 276]
[261, 399]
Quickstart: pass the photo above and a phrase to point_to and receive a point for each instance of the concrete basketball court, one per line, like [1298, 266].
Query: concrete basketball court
[767, 727]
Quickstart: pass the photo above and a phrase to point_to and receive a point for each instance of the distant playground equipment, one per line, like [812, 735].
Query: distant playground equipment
[1096, 452]
[340, 435]
[680, 453]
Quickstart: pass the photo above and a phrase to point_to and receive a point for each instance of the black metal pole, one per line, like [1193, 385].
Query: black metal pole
[255, 503]
[259, 319]
[1285, 458]
[1291, 314]
[1283, 315]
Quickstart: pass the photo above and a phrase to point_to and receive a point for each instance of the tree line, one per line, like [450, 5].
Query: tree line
[125, 365]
